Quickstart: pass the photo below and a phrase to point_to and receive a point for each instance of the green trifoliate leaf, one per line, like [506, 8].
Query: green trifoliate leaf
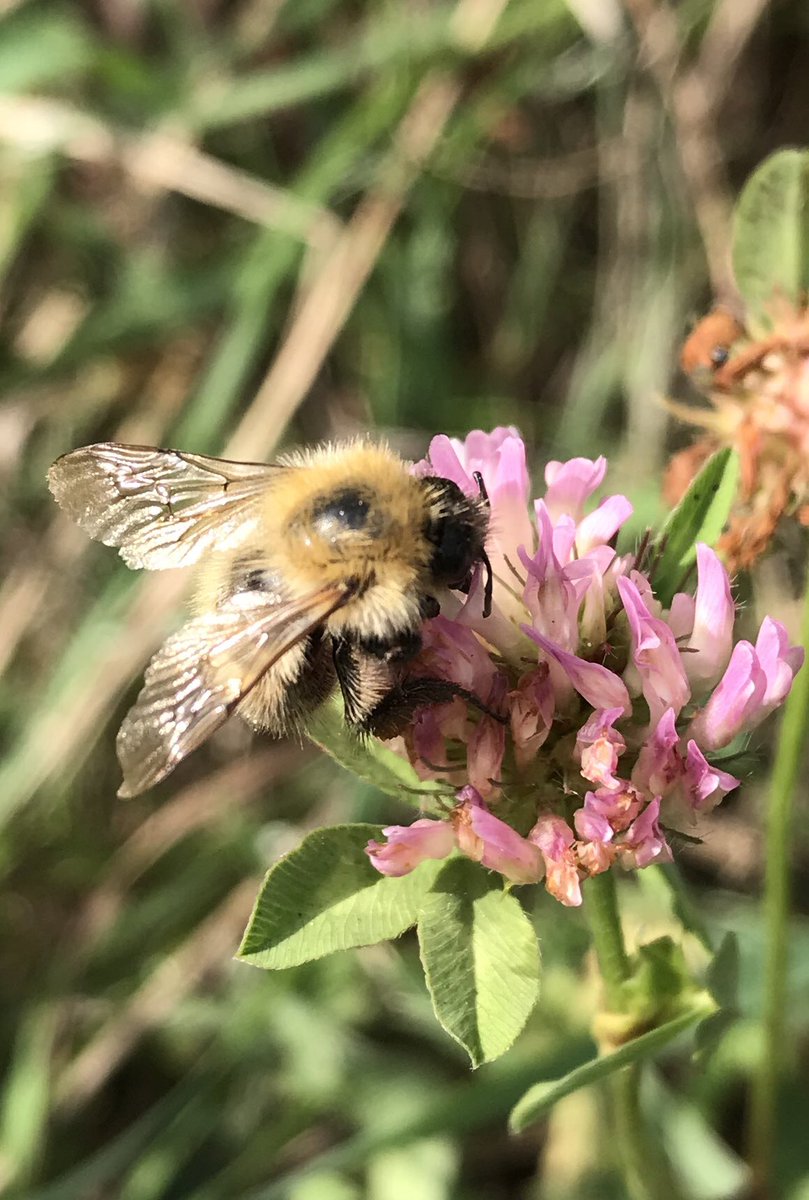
[367, 758]
[326, 895]
[542, 1096]
[700, 516]
[771, 238]
[480, 958]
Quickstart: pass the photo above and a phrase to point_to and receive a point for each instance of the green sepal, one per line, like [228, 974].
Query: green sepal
[700, 516]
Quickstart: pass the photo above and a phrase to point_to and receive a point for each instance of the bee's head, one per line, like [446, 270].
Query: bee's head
[456, 531]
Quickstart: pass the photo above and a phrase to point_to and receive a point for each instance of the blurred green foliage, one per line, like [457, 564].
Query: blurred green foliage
[177, 181]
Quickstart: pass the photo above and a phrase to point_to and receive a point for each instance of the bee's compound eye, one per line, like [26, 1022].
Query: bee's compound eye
[345, 510]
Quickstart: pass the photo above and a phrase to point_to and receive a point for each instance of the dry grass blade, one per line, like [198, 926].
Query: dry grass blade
[693, 96]
[162, 162]
[334, 291]
[200, 804]
[209, 949]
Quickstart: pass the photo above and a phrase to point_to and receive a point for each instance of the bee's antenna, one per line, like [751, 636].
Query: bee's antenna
[478, 478]
[484, 558]
[489, 588]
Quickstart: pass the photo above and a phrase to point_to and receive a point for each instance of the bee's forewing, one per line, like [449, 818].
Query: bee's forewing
[161, 508]
[203, 671]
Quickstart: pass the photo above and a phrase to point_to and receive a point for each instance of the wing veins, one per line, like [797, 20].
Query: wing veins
[191, 687]
[160, 508]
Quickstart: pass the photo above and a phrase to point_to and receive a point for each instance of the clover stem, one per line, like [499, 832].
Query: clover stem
[601, 907]
[646, 1170]
[789, 757]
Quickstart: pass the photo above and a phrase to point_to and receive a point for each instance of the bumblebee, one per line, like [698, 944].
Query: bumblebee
[315, 572]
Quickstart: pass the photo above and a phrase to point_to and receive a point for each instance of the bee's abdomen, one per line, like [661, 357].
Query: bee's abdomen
[292, 688]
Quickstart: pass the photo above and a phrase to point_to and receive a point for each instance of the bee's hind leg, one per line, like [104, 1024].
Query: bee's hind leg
[394, 712]
[378, 703]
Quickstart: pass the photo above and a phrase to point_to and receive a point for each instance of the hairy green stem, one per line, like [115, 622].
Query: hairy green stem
[601, 907]
[789, 757]
[646, 1170]
[648, 1174]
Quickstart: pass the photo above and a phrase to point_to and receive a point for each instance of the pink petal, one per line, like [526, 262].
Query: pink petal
[553, 835]
[681, 616]
[595, 857]
[409, 845]
[654, 653]
[598, 527]
[480, 448]
[508, 485]
[711, 641]
[484, 754]
[599, 686]
[428, 737]
[737, 702]
[499, 456]
[532, 706]
[452, 651]
[705, 786]
[443, 460]
[593, 568]
[779, 661]
[592, 826]
[644, 841]
[659, 764]
[598, 746]
[485, 838]
[564, 537]
[555, 839]
[571, 483]
[619, 806]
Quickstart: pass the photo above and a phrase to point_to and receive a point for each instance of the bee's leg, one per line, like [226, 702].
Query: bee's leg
[365, 679]
[394, 711]
[377, 701]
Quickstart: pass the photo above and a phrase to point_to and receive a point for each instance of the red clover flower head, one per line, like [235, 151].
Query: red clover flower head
[614, 703]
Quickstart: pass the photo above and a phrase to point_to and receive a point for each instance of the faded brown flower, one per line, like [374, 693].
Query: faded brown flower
[758, 391]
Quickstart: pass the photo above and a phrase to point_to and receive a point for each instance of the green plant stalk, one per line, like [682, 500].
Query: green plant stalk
[601, 908]
[789, 757]
[648, 1174]
[646, 1169]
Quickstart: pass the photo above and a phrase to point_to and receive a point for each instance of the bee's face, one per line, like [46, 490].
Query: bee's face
[456, 532]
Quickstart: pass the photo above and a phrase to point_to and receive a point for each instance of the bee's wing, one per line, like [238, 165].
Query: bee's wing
[197, 678]
[161, 508]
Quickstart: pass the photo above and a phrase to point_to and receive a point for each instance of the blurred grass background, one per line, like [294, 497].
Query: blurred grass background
[235, 225]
